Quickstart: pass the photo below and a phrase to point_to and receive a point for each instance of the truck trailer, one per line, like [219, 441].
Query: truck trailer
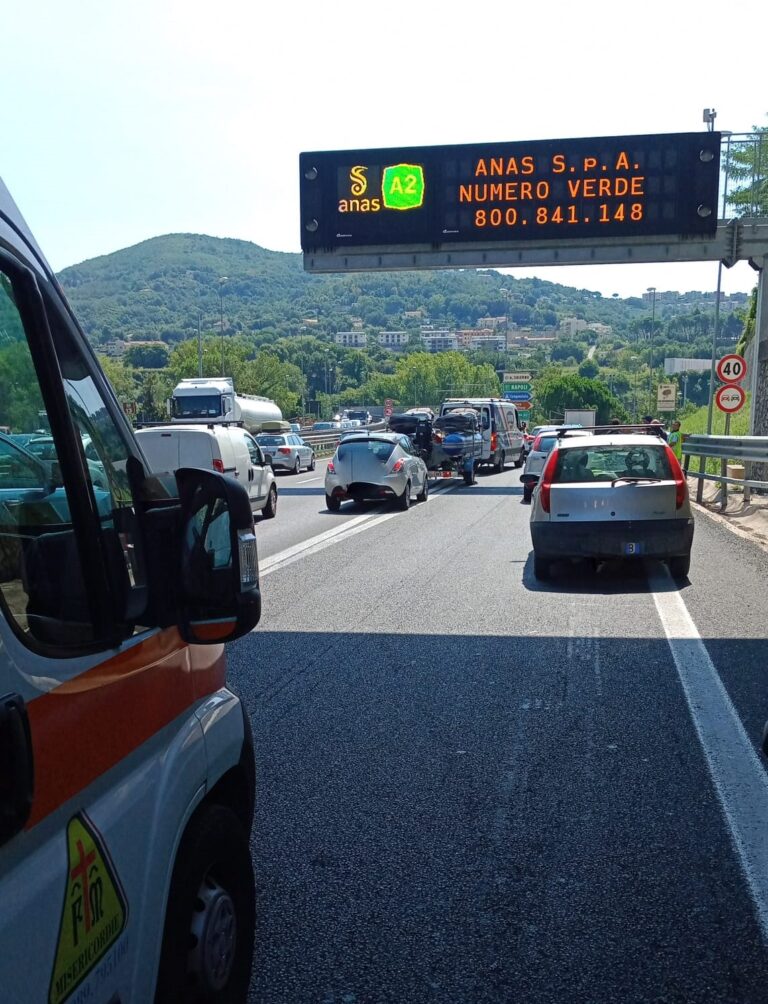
[213, 399]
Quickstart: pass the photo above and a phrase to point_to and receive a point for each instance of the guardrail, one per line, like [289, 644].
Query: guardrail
[325, 443]
[748, 449]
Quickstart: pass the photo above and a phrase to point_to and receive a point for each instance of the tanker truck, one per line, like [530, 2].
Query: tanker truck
[213, 399]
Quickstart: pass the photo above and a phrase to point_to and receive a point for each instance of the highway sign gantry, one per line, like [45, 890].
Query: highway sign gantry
[731, 368]
[730, 398]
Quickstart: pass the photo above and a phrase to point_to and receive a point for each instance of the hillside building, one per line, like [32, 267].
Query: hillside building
[393, 339]
[351, 339]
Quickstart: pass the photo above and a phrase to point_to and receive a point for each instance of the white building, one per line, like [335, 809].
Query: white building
[351, 339]
[442, 341]
[570, 325]
[393, 339]
[496, 343]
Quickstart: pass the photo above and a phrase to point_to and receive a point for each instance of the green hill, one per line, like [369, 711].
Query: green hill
[158, 289]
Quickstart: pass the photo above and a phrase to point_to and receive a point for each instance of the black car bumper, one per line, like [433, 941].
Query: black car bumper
[657, 538]
[361, 491]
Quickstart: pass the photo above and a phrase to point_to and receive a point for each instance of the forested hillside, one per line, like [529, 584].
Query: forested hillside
[271, 326]
[160, 288]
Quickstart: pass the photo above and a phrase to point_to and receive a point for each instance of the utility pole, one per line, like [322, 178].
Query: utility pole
[199, 343]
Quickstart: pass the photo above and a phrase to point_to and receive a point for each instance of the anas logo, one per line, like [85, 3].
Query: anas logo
[94, 912]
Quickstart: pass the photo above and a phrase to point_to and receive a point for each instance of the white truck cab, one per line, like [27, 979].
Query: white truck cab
[126, 764]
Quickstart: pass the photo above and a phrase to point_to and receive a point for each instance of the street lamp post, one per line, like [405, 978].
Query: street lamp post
[506, 294]
[222, 280]
[651, 408]
[199, 342]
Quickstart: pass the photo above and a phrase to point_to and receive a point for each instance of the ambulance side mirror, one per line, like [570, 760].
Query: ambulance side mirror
[219, 574]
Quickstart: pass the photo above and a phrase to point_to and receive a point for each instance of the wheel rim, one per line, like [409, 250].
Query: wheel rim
[272, 499]
[297, 466]
[214, 936]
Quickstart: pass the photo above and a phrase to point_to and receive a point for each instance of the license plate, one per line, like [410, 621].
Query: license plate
[633, 547]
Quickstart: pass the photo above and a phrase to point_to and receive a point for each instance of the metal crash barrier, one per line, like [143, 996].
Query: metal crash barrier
[747, 449]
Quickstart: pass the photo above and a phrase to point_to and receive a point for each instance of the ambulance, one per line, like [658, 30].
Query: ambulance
[126, 765]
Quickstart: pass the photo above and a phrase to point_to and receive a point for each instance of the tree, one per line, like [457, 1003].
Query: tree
[153, 356]
[555, 392]
[567, 348]
[747, 168]
[589, 368]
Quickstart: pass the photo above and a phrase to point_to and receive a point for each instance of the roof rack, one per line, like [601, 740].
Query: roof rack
[607, 430]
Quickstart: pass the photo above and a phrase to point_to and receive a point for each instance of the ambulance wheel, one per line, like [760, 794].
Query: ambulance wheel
[209, 925]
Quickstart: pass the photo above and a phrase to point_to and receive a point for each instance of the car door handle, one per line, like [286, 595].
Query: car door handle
[17, 776]
[250, 474]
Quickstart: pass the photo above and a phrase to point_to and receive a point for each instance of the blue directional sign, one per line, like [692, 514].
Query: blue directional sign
[518, 395]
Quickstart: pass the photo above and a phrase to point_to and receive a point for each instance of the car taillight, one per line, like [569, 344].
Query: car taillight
[330, 468]
[284, 449]
[398, 466]
[536, 444]
[494, 441]
[218, 465]
[545, 484]
[437, 437]
[681, 488]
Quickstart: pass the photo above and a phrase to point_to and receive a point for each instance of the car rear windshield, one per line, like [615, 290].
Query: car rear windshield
[380, 448]
[546, 443]
[269, 440]
[607, 463]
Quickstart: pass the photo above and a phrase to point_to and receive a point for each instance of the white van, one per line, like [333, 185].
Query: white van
[503, 439]
[228, 449]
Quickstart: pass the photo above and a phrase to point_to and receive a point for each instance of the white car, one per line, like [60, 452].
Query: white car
[378, 466]
[605, 494]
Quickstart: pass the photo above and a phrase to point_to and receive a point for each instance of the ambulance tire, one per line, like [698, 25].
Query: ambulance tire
[213, 872]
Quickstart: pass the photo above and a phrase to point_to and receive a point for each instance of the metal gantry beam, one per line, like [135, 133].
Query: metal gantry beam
[735, 240]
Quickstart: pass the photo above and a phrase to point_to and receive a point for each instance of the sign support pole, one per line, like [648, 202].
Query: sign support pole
[710, 404]
[724, 466]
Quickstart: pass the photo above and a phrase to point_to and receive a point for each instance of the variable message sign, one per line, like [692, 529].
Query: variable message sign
[622, 186]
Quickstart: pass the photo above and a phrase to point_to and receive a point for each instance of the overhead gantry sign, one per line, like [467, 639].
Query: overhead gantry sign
[542, 202]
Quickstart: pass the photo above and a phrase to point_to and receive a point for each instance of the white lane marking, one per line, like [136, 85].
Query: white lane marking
[739, 778]
[306, 481]
[333, 536]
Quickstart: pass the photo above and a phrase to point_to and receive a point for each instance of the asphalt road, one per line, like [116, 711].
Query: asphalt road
[476, 788]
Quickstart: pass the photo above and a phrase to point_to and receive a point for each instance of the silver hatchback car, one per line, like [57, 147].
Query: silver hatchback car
[378, 466]
[610, 494]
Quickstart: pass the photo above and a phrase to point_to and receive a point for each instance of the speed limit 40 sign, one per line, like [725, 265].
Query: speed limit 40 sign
[731, 369]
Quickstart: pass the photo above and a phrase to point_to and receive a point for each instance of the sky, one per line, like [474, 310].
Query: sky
[122, 122]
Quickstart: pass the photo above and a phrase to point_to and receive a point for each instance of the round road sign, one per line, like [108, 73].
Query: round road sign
[731, 369]
[730, 398]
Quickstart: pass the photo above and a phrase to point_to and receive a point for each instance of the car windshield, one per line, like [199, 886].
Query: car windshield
[196, 406]
[546, 443]
[379, 448]
[609, 463]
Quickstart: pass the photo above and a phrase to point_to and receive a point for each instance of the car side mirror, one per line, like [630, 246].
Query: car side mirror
[220, 592]
[268, 459]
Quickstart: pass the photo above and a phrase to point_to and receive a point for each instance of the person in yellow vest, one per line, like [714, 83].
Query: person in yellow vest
[675, 439]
